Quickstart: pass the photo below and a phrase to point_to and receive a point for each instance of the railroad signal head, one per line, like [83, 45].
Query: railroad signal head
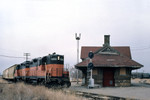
[91, 54]
[90, 65]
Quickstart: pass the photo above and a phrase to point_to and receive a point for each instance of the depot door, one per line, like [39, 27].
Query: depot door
[108, 77]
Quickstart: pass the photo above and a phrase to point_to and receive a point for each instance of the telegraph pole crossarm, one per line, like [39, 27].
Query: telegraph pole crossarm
[27, 54]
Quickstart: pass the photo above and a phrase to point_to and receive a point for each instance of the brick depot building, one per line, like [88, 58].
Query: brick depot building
[112, 64]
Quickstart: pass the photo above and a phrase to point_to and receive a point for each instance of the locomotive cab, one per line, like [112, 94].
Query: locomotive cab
[43, 62]
[55, 65]
[55, 70]
[17, 74]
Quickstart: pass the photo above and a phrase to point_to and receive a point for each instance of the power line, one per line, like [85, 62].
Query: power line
[10, 56]
[9, 50]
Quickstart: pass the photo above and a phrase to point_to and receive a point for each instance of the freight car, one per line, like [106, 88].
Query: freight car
[9, 73]
[47, 70]
[141, 75]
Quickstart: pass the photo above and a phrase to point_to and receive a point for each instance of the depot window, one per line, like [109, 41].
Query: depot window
[122, 71]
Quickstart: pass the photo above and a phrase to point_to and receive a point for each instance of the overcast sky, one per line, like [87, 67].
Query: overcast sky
[41, 27]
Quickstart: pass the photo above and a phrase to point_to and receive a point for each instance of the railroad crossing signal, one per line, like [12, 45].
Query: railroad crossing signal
[90, 67]
[91, 55]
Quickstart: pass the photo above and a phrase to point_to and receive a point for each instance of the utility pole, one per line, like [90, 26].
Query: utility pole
[77, 38]
[27, 54]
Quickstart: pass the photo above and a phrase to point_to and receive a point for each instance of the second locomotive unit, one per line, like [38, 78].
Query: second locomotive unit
[48, 70]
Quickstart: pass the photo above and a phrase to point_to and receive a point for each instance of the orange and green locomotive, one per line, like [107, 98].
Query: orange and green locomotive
[47, 70]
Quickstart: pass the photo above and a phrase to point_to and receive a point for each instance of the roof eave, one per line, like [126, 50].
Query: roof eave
[134, 67]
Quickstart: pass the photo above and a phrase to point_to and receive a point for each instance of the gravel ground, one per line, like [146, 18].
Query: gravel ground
[136, 91]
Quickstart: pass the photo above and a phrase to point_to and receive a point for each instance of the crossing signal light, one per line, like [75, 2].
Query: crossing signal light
[90, 65]
[91, 55]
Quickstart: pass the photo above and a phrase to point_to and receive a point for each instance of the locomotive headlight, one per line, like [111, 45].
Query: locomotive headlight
[58, 57]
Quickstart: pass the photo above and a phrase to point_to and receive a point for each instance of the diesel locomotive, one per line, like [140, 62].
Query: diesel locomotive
[47, 70]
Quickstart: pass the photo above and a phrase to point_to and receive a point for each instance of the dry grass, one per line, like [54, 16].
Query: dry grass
[21, 91]
[3, 81]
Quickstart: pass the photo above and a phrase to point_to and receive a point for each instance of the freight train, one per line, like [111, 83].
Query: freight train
[141, 75]
[47, 70]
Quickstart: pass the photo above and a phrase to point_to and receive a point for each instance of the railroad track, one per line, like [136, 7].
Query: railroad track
[94, 96]
[2, 81]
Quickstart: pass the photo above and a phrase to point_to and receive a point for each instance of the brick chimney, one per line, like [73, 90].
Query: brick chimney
[106, 40]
